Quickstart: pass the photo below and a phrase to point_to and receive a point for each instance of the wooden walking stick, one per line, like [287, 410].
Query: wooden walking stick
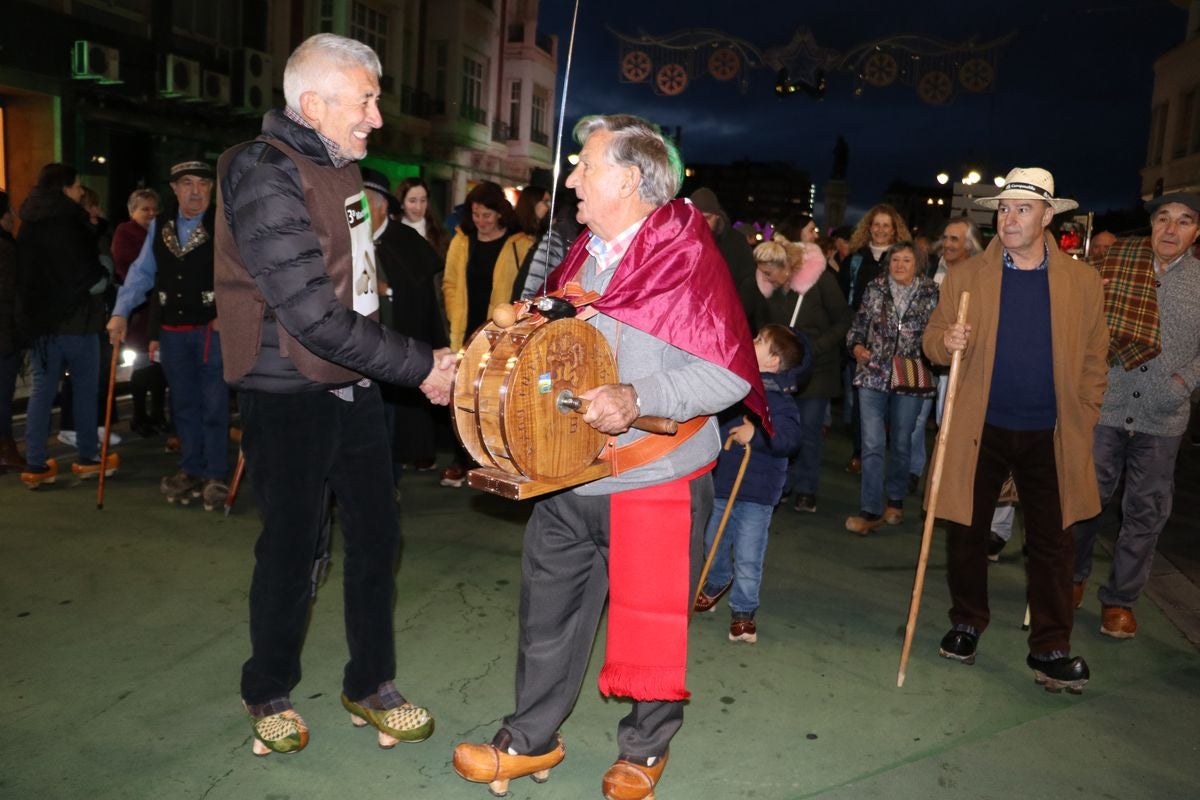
[935, 485]
[112, 385]
[712, 551]
[238, 472]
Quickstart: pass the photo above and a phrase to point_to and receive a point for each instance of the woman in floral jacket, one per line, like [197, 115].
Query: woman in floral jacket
[890, 322]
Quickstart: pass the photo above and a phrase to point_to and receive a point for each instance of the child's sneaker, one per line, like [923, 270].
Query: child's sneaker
[34, 477]
[742, 628]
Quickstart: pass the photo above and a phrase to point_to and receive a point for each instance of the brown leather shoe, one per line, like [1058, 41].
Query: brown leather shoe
[1077, 593]
[495, 766]
[628, 780]
[893, 516]
[861, 525]
[1118, 622]
[854, 467]
[708, 602]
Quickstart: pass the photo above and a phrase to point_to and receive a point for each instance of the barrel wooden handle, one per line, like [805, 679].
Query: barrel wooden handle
[664, 425]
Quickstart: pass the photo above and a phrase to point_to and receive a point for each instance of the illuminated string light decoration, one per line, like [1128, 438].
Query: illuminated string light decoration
[937, 69]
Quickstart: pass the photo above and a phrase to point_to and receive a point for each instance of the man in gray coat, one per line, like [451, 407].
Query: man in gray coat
[1145, 414]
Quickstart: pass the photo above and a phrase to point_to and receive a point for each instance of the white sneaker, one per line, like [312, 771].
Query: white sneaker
[68, 437]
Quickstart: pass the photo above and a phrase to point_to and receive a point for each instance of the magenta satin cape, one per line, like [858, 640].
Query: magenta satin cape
[673, 284]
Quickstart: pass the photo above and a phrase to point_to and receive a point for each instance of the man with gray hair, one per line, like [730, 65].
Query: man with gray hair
[672, 317]
[1150, 299]
[297, 295]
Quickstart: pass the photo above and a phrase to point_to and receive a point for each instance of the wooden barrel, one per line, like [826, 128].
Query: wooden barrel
[505, 407]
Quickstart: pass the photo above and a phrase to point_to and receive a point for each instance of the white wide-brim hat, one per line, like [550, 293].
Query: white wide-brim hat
[1028, 183]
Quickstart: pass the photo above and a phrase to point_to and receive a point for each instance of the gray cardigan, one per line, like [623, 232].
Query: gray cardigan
[1146, 399]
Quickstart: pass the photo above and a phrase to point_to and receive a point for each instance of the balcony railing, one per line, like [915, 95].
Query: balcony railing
[499, 131]
[415, 103]
[474, 114]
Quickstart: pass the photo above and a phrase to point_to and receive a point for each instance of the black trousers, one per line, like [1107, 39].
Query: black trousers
[564, 585]
[296, 445]
[1051, 548]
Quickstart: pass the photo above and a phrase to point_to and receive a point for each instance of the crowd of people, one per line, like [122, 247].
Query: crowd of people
[326, 306]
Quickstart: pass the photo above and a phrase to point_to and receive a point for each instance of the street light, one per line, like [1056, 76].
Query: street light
[999, 181]
[973, 177]
[943, 178]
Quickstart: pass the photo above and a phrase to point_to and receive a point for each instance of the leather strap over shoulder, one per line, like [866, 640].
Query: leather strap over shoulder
[650, 447]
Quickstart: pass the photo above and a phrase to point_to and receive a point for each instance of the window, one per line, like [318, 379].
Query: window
[514, 111]
[137, 9]
[537, 117]
[1183, 124]
[472, 91]
[439, 77]
[1158, 135]
[210, 20]
[325, 17]
[369, 25]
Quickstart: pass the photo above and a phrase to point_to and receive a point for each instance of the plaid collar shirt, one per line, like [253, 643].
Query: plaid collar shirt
[331, 147]
[1008, 261]
[609, 254]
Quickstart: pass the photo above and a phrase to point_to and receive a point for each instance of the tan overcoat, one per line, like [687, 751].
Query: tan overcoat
[1079, 349]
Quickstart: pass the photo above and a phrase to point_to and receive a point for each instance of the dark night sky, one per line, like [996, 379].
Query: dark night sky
[1072, 91]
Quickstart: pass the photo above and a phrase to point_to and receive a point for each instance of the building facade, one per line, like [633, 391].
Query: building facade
[1173, 152]
[122, 89]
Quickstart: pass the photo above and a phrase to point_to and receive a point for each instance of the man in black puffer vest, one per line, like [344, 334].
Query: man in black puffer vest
[298, 298]
[177, 260]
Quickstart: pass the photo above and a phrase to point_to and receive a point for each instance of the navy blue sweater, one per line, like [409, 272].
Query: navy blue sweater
[767, 470]
[1022, 392]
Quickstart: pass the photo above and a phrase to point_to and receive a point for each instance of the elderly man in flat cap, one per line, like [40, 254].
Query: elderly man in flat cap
[177, 263]
[1032, 379]
[1150, 300]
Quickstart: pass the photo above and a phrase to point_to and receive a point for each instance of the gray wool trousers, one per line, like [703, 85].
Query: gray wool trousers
[564, 586]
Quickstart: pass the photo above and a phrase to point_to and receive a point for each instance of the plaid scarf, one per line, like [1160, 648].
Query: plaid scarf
[1131, 303]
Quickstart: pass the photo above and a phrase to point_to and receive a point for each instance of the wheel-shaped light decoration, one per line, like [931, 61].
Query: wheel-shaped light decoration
[880, 69]
[635, 66]
[976, 75]
[671, 79]
[935, 87]
[724, 63]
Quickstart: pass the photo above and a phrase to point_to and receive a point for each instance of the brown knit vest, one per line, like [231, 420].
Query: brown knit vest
[241, 306]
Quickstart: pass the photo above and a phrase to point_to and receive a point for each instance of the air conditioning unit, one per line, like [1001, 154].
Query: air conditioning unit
[251, 81]
[181, 78]
[95, 62]
[215, 88]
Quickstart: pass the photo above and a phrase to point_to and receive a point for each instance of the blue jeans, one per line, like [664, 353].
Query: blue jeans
[739, 556]
[806, 469]
[81, 355]
[191, 360]
[1149, 465]
[881, 412]
[916, 453]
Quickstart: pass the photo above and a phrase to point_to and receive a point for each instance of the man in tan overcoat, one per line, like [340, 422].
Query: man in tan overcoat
[1031, 383]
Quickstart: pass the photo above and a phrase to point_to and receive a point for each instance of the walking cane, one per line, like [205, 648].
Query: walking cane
[712, 551]
[238, 472]
[112, 385]
[935, 485]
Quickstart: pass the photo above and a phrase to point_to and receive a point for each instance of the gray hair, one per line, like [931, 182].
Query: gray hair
[140, 195]
[638, 143]
[974, 239]
[309, 64]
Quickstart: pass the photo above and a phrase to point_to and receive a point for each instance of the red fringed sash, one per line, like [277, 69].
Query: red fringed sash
[649, 591]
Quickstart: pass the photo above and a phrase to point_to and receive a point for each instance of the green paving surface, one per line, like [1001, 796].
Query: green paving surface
[122, 633]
